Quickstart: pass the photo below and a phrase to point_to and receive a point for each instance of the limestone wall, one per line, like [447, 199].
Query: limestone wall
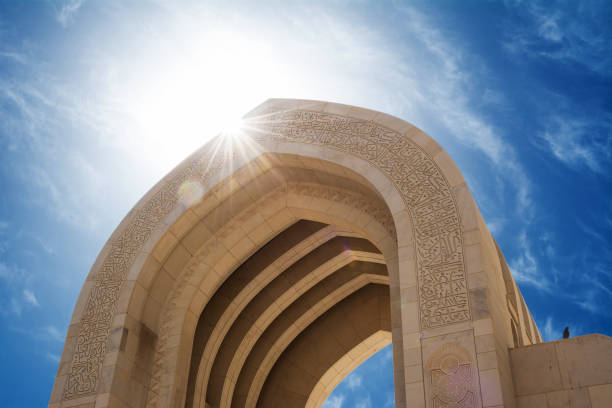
[495, 298]
[575, 372]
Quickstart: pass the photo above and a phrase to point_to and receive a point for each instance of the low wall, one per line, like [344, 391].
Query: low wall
[575, 372]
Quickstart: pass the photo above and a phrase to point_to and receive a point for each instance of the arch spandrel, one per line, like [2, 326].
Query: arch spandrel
[425, 194]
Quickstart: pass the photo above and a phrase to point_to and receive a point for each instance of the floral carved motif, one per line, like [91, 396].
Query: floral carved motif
[452, 378]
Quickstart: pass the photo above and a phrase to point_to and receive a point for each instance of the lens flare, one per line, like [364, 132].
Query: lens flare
[190, 192]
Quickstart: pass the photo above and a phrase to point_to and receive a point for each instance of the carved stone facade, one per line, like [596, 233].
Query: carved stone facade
[452, 376]
[237, 253]
[95, 324]
[441, 273]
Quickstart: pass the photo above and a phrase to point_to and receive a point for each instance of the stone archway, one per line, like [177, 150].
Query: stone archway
[204, 292]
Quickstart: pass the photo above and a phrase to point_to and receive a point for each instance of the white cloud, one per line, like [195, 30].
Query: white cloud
[4, 245]
[11, 274]
[547, 23]
[353, 381]
[47, 333]
[592, 232]
[576, 143]
[13, 280]
[45, 246]
[55, 358]
[13, 56]
[550, 332]
[562, 34]
[387, 354]
[390, 400]
[334, 401]
[496, 225]
[588, 302]
[525, 266]
[30, 298]
[448, 92]
[52, 333]
[14, 307]
[365, 403]
[66, 12]
[553, 330]
[71, 199]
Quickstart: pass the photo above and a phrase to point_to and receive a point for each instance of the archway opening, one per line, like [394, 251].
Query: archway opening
[368, 385]
[264, 295]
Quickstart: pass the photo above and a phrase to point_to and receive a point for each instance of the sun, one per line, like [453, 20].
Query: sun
[233, 129]
[178, 104]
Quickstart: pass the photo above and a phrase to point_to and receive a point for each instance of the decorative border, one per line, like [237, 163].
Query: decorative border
[96, 321]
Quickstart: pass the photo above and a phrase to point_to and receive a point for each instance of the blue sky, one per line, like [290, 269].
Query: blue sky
[99, 99]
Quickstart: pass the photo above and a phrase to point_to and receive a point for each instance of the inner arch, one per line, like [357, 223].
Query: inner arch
[315, 185]
[344, 331]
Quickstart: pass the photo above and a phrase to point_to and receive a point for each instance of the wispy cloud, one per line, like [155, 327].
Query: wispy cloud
[4, 243]
[353, 381]
[334, 401]
[71, 199]
[47, 333]
[588, 302]
[16, 293]
[66, 12]
[54, 358]
[15, 296]
[364, 403]
[562, 32]
[553, 329]
[53, 333]
[450, 93]
[525, 266]
[578, 143]
[14, 56]
[386, 354]
[551, 332]
[30, 298]
[496, 225]
[390, 400]
[592, 232]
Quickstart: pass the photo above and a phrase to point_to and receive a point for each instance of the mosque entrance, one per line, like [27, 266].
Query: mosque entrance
[277, 258]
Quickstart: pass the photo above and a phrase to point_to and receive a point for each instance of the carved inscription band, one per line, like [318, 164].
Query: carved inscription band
[95, 323]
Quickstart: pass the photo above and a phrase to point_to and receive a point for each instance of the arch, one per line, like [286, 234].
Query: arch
[346, 365]
[302, 360]
[302, 276]
[298, 318]
[170, 353]
[364, 174]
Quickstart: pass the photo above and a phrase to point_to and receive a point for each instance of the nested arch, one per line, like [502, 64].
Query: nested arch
[297, 319]
[139, 309]
[359, 317]
[303, 199]
[339, 370]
